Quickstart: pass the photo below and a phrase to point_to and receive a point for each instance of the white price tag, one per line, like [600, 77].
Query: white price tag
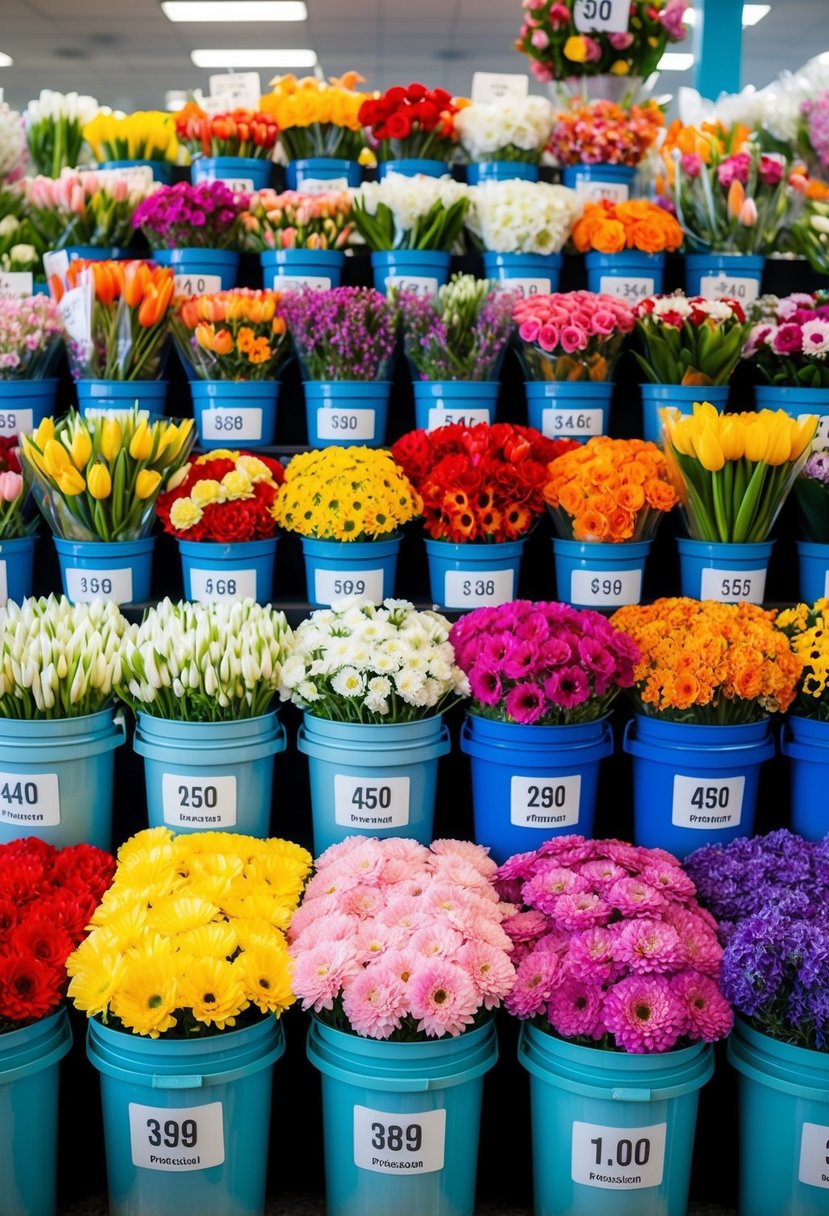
[821, 438]
[420, 284]
[605, 588]
[488, 87]
[371, 802]
[30, 799]
[295, 282]
[618, 1158]
[137, 177]
[232, 424]
[713, 286]
[392, 1142]
[708, 803]
[198, 802]
[629, 287]
[83, 586]
[461, 416]
[16, 422]
[537, 286]
[56, 263]
[478, 588]
[545, 802]
[814, 1155]
[604, 16]
[217, 586]
[237, 90]
[322, 185]
[4, 582]
[589, 191]
[559, 422]
[733, 586]
[237, 185]
[177, 1138]
[16, 283]
[74, 314]
[331, 585]
[196, 284]
[345, 423]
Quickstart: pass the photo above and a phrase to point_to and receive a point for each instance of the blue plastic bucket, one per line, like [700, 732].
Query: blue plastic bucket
[533, 782]
[162, 170]
[526, 274]
[25, 403]
[210, 776]
[293, 269]
[501, 171]
[217, 573]
[420, 270]
[342, 413]
[806, 743]
[713, 275]
[411, 166]
[186, 1121]
[424, 1101]
[813, 560]
[797, 403]
[200, 271]
[692, 784]
[443, 402]
[732, 574]
[322, 169]
[630, 275]
[121, 395]
[372, 780]
[98, 253]
[603, 576]
[612, 1131]
[336, 570]
[595, 183]
[230, 412]
[241, 174]
[784, 1124]
[56, 778]
[16, 568]
[569, 409]
[681, 397]
[120, 571]
[473, 575]
[29, 1080]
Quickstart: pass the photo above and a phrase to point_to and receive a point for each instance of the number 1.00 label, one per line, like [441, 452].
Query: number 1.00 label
[177, 1139]
[618, 1158]
[399, 1143]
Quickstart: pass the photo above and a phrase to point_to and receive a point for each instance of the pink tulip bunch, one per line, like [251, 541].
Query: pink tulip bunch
[83, 207]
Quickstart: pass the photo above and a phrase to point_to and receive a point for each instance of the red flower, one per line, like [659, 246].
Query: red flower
[399, 125]
[46, 941]
[28, 988]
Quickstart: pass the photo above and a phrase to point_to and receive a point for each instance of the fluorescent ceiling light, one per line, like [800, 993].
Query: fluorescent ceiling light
[291, 58]
[752, 13]
[5, 60]
[675, 61]
[234, 10]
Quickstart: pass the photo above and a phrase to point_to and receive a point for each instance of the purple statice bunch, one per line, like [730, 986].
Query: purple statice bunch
[543, 664]
[205, 216]
[459, 334]
[815, 114]
[611, 947]
[347, 333]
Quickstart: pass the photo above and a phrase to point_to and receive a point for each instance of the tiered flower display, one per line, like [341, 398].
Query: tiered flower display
[602, 132]
[411, 212]
[85, 208]
[237, 133]
[515, 129]
[318, 117]
[411, 122]
[54, 129]
[30, 337]
[608, 227]
[460, 334]
[205, 216]
[224, 496]
[789, 339]
[521, 217]
[144, 135]
[231, 335]
[577, 335]
[293, 220]
[689, 340]
[347, 333]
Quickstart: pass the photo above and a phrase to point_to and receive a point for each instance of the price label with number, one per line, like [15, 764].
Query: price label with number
[536, 286]
[618, 1158]
[295, 282]
[371, 802]
[707, 802]
[590, 191]
[196, 284]
[605, 588]
[814, 1155]
[478, 588]
[198, 802]
[322, 185]
[345, 423]
[16, 283]
[238, 90]
[545, 802]
[75, 315]
[30, 800]
[559, 422]
[459, 416]
[217, 587]
[733, 586]
[238, 185]
[83, 586]
[4, 580]
[628, 287]
[606, 16]
[177, 1138]
[394, 1142]
[16, 422]
[232, 424]
[714, 286]
[420, 284]
[331, 585]
[821, 438]
[488, 87]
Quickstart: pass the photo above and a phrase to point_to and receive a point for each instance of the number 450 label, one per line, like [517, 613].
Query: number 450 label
[707, 802]
[177, 1139]
[399, 1143]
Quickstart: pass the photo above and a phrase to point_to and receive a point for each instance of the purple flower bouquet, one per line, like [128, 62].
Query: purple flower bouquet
[461, 334]
[347, 333]
[206, 216]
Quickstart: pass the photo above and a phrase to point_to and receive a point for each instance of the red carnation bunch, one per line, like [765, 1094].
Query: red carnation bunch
[47, 897]
[410, 122]
[9, 462]
[481, 483]
[224, 497]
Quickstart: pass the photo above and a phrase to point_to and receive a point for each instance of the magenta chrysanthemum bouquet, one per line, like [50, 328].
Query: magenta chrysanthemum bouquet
[543, 664]
[206, 216]
[398, 941]
[611, 947]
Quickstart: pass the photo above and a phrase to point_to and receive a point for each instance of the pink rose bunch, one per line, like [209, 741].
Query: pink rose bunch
[789, 341]
[577, 335]
[612, 947]
[396, 941]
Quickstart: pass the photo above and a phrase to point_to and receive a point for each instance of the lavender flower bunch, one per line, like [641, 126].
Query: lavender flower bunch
[206, 216]
[812, 493]
[461, 334]
[347, 333]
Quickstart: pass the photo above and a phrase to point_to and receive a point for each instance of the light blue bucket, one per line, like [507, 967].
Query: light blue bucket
[569, 409]
[530, 783]
[713, 275]
[29, 1081]
[16, 568]
[372, 780]
[419, 270]
[591, 574]
[631, 275]
[217, 573]
[162, 170]
[120, 571]
[200, 271]
[242, 174]
[526, 274]
[797, 403]
[813, 561]
[681, 397]
[210, 776]
[595, 183]
[205, 1102]
[232, 412]
[121, 395]
[25, 403]
[293, 269]
[501, 171]
[806, 743]
[56, 778]
[429, 1092]
[98, 253]
[444, 402]
[473, 575]
[694, 785]
[411, 166]
[337, 570]
[321, 169]
[784, 1117]
[342, 413]
[730, 573]
[612, 1131]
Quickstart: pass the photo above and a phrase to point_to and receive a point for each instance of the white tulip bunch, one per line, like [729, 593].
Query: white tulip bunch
[54, 129]
[403, 212]
[516, 128]
[522, 217]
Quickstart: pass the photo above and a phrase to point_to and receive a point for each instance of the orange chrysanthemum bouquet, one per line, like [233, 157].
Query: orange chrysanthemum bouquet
[625, 244]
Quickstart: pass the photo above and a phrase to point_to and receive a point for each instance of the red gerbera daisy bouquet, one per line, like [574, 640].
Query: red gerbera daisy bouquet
[411, 122]
[223, 496]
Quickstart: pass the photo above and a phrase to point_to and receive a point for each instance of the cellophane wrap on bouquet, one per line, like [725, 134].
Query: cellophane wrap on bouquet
[576, 335]
[231, 335]
[87, 207]
[461, 334]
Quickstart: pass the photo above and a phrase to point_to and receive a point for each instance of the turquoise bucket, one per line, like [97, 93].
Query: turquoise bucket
[530, 783]
[186, 1121]
[230, 412]
[806, 743]
[162, 170]
[798, 403]
[411, 166]
[501, 171]
[604, 576]
[16, 568]
[630, 275]
[595, 183]
[342, 413]
[210, 776]
[612, 1131]
[217, 573]
[337, 570]
[526, 274]
[25, 403]
[98, 253]
[121, 395]
[444, 402]
[473, 575]
[372, 780]
[681, 397]
[120, 571]
[694, 785]
[713, 275]
[29, 1076]
[419, 270]
[56, 778]
[200, 271]
[241, 174]
[813, 562]
[784, 1125]
[421, 1100]
[293, 269]
[569, 409]
[732, 574]
[340, 173]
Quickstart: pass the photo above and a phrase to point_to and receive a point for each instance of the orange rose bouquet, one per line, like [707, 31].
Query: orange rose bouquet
[608, 227]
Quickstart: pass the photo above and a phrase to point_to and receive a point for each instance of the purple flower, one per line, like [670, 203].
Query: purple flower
[347, 333]
[186, 217]
[575, 1009]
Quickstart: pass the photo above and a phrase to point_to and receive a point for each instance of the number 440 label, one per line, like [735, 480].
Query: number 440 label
[618, 1158]
[177, 1139]
[814, 1155]
[30, 798]
[399, 1143]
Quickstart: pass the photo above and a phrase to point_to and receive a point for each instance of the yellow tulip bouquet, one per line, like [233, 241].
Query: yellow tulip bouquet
[733, 472]
[145, 135]
[318, 117]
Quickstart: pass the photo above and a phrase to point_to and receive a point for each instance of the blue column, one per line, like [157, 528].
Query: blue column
[718, 41]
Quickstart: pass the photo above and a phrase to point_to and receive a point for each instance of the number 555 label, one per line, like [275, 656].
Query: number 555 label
[399, 1143]
[177, 1139]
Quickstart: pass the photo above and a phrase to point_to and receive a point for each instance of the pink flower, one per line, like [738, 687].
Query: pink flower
[591, 956]
[671, 880]
[541, 72]
[649, 945]
[734, 168]
[320, 973]
[540, 40]
[691, 164]
[771, 170]
[474, 855]
[635, 898]
[708, 1012]
[525, 703]
[567, 687]
[602, 322]
[525, 926]
[375, 1002]
[573, 339]
[575, 1009]
[580, 910]
[671, 19]
[698, 939]
[548, 337]
[620, 41]
[443, 998]
[436, 941]
[549, 882]
[489, 969]
[787, 340]
[602, 874]
[537, 977]
[485, 685]
[529, 329]
[559, 15]
[333, 927]
[644, 1014]
[593, 51]
[11, 486]
[748, 213]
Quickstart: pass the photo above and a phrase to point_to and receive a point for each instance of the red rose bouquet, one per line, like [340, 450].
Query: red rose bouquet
[224, 497]
[411, 122]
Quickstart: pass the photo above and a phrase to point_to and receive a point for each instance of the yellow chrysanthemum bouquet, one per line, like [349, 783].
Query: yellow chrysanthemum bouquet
[318, 117]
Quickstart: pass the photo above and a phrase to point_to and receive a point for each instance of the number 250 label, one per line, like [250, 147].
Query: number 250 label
[399, 1143]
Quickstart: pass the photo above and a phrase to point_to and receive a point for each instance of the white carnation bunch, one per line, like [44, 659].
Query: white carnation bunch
[522, 217]
[505, 130]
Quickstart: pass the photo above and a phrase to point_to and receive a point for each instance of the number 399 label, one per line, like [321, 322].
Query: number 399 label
[814, 1155]
[177, 1139]
[618, 1158]
[707, 802]
[371, 802]
[399, 1143]
[198, 802]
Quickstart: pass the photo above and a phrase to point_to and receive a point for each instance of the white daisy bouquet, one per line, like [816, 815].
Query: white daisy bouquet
[521, 217]
[411, 212]
[515, 129]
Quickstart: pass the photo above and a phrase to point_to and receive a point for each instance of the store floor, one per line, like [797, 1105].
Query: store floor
[303, 1205]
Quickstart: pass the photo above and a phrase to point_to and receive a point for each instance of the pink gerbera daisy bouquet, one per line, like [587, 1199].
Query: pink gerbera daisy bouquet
[612, 949]
[398, 941]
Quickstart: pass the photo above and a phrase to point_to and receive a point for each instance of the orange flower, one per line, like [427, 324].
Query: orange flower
[611, 227]
[220, 343]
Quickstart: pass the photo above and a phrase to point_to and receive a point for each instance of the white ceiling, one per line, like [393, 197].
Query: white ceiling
[128, 54]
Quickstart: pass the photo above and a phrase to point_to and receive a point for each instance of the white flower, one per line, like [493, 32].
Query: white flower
[379, 686]
[12, 143]
[815, 338]
[487, 128]
[348, 682]
[522, 217]
[308, 691]
[409, 198]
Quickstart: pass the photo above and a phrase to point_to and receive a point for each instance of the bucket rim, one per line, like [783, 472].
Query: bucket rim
[23, 1061]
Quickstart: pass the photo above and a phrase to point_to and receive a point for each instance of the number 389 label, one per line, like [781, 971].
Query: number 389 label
[177, 1139]
[618, 1158]
[399, 1143]
[708, 802]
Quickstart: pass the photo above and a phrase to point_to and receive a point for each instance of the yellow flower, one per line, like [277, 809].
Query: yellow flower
[252, 931]
[265, 973]
[575, 49]
[709, 449]
[184, 514]
[55, 458]
[237, 484]
[97, 973]
[180, 913]
[253, 467]
[147, 995]
[44, 432]
[143, 844]
[206, 492]
[178, 477]
[217, 940]
[620, 67]
[81, 448]
[141, 443]
[70, 482]
[213, 990]
[110, 438]
[99, 481]
[146, 483]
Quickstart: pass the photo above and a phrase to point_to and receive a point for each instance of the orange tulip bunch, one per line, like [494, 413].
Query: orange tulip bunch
[237, 133]
[232, 335]
[637, 224]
